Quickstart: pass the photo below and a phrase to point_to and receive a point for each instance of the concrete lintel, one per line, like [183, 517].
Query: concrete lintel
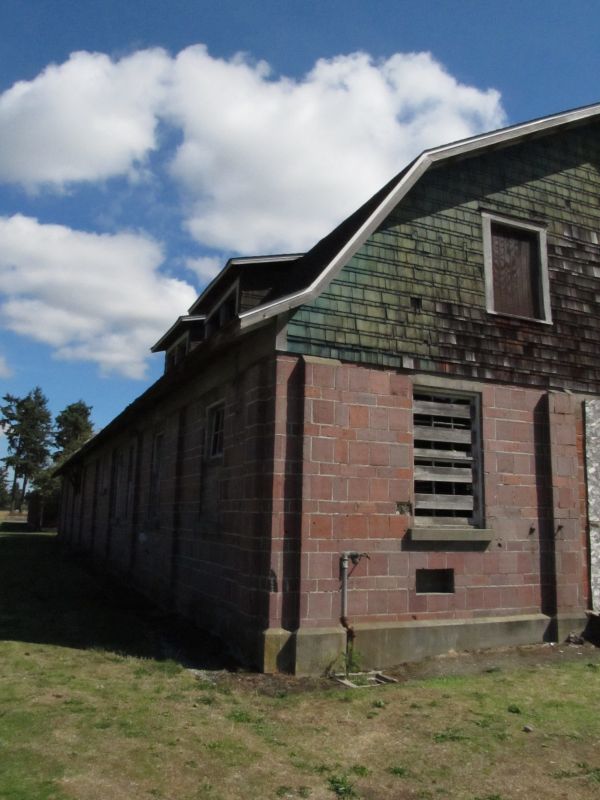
[330, 362]
[451, 534]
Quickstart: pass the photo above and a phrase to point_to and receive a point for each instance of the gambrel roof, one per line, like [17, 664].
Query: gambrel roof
[312, 273]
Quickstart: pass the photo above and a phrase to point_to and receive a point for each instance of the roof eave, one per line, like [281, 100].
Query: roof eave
[182, 321]
[238, 261]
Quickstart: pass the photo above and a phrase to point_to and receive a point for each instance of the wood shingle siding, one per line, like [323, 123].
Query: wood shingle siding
[431, 247]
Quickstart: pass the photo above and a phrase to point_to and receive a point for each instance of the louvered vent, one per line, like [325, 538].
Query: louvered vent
[446, 453]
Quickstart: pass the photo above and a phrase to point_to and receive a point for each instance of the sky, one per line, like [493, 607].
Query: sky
[142, 143]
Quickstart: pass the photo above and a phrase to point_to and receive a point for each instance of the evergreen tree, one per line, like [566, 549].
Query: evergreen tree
[73, 428]
[4, 491]
[27, 423]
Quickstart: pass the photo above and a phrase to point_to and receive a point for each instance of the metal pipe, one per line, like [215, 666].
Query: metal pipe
[345, 558]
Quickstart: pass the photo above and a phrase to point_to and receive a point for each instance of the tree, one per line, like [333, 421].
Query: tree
[73, 428]
[27, 423]
[4, 492]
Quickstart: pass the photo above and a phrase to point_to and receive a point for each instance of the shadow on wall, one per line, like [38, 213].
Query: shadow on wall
[48, 597]
[546, 532]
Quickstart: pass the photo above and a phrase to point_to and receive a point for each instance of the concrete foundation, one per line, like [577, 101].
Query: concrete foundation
[314, 651]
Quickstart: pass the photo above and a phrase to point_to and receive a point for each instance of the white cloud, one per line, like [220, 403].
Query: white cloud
[87, 119]
[94, 297]
[204, 267]
[266, 163]
[5, 372]
[271, 164]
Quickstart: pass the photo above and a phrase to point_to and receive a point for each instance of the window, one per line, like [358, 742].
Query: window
[176, 353]
[216, 429]
[223, 312]
[516, 269]
[447, 460]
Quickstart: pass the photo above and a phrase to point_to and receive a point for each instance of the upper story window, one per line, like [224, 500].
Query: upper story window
[216, 430]
[176, 353]
[516, 268]
[224, 312]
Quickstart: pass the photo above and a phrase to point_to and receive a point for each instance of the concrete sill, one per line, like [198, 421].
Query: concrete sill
[451, 534]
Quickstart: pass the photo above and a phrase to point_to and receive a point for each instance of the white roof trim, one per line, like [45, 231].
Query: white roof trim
[421, 165]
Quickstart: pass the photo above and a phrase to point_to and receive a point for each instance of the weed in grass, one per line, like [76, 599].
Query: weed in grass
[284, 791]
[341, 786]
[371, 714]
[513, 709]
[169, 667]
[583, 771]
[347, 697]
[398, 771]
[489, 797]
[378, 704]
[303, 791]
[207, 699]
[360, 770]
[102, 724]
[449, 735]
[239, 715]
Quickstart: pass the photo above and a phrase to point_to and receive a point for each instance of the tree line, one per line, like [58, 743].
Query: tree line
[37, 444]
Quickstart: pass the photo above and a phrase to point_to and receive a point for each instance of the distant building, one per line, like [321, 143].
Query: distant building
[422, 386]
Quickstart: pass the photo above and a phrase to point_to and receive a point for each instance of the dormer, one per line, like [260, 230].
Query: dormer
[185, 334]
[224, 310]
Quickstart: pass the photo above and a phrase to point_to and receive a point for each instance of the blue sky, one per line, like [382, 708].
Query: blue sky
[142, 143]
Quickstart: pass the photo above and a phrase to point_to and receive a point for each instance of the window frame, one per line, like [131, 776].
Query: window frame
[177, 351]
[489, 219]
[215, 311]
[211, 417]
[476, 528]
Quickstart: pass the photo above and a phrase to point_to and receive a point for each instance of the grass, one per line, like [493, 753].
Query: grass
[91, 705]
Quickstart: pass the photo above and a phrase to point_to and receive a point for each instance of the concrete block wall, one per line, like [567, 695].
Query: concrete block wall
[200, 544]
[357, 467]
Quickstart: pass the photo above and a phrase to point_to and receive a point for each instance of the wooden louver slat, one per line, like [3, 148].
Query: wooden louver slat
[450, 502]
[429, 407]
[449, 474]
[432, 434]
[442, 455]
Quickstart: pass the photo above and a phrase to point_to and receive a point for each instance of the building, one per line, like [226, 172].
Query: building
[422, 388]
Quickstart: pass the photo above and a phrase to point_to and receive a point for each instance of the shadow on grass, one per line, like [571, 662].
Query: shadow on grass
[49, 597]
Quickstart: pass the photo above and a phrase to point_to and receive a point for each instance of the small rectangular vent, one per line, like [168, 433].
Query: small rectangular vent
[435, 581]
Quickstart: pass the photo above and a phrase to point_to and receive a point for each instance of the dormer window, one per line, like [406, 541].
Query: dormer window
[176, 353]
[224, 311]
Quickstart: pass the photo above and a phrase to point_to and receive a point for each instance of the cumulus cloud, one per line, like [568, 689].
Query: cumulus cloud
[270, 164]
[94, 297]
[263, 163]
[204, 267]
[266, 163]
[88, 119]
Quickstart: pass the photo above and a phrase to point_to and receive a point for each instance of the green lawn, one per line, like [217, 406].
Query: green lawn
[90, 708]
